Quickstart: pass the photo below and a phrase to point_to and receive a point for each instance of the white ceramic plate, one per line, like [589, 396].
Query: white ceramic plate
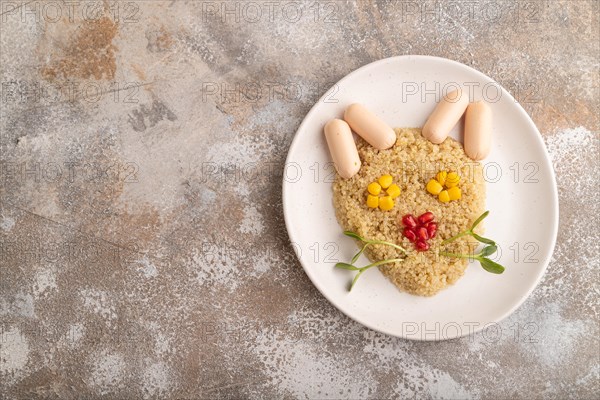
[521, 196]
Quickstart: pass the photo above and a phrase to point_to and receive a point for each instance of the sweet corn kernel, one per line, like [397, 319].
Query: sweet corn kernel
[393, 191]
[444, 197]
[454, 193]
[372, 201]
[441, 177]
[434, 187]
[374, 188]
[452, 180]
[386, 203]
[385, 181]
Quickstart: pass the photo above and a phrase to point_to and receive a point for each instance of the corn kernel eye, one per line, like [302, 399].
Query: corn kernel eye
[441, 177]
[445, 186]
[452, 179]
[444, 197]
[393, 191]
[386, 203]
[374, 188]
[372, 201]
[454, 193]
[434, 187]
[385, 181]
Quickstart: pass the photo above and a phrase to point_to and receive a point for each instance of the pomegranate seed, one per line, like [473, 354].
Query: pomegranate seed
[422, 245]
[432, 229]
[410, 234]
[426, 217]
[409, 221]
[422, 233]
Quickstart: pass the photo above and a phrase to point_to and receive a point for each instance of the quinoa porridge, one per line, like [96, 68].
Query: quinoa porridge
[412, 162]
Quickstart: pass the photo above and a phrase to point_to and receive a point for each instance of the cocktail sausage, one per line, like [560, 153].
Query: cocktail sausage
[370, 127]
[445, 116]
[478, 130]
[342, 148]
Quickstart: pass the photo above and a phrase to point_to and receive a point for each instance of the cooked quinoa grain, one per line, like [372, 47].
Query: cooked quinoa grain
[412, 162]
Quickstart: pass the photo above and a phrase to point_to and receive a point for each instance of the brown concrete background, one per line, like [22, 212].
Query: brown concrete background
[131, 267]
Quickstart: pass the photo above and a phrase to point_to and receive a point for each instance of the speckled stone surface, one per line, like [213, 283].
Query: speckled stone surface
[143, 249]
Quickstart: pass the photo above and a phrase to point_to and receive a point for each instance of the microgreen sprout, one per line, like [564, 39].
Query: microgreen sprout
[482, 256]
[367, 242]
[360, 270]
[469, 232]
[486, 263]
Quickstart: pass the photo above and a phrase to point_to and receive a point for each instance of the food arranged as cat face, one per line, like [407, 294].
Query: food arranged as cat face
[411, 196]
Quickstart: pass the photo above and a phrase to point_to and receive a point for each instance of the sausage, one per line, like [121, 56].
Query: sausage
[370, 127]
[445, 116]
[342, 148]
[478, 130]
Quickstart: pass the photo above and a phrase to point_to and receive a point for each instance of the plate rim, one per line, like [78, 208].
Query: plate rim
[547, 159]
